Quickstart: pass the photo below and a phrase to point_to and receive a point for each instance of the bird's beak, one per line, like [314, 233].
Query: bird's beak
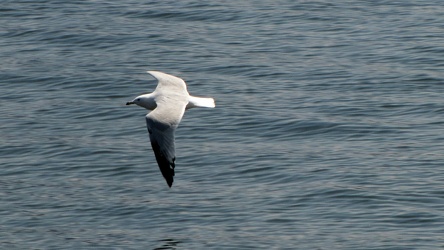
[129, 103]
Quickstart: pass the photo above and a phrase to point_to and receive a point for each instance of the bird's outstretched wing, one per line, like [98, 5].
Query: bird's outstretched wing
[162, 123]
[169, 83]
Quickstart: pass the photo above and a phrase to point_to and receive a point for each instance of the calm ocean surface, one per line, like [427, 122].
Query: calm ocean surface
[328, 131]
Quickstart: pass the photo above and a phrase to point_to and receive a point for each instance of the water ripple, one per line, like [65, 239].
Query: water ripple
[327, 131]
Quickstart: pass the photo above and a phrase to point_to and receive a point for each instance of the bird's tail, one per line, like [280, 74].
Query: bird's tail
[200, 102]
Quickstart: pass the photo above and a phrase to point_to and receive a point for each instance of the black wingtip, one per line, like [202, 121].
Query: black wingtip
[166, 167]
[169, 178]
[170, 182]
[168, 173]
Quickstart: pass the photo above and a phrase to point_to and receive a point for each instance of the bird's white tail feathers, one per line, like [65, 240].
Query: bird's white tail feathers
[200, 102]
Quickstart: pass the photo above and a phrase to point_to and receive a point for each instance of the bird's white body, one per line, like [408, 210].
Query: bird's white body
[148, 101]
[167, 103]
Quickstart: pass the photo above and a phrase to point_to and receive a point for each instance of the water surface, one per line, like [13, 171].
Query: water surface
[328, 130]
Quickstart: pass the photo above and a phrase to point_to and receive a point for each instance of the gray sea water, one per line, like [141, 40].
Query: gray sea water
[327, 134]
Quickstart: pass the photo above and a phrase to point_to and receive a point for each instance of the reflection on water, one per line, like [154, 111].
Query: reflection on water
[168, 244]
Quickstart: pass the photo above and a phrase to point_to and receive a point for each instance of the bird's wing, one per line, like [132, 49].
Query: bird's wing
[169, 83]
[162, 123]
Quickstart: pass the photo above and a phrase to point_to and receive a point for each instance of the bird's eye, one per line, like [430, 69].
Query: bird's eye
[138, 99]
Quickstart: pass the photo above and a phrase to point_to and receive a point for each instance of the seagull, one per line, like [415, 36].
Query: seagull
[167, 103]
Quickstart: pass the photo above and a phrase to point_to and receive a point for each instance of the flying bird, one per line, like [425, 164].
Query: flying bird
[167, 103]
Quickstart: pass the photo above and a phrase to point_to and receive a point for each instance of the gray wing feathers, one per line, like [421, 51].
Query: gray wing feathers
[162, 142]
[161, 128]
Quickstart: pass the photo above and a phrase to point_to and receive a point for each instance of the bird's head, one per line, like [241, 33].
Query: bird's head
[146, 101]
[137, 101]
